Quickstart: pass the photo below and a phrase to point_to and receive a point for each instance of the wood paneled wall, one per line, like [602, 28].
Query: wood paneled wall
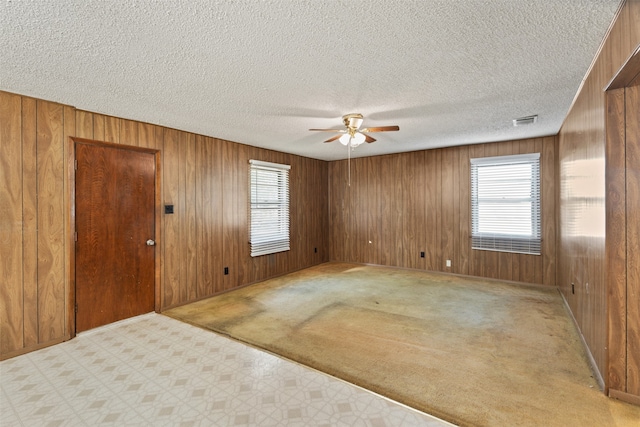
[206, 179]
[400, 205]
[582, 191]
[33, 229]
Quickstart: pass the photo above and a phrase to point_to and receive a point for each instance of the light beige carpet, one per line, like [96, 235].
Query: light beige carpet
[471, 351]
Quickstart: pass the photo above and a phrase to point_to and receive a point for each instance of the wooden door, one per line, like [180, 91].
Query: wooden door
[115, 217]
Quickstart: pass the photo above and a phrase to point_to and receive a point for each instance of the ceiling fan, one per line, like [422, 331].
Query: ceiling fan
[353, 136]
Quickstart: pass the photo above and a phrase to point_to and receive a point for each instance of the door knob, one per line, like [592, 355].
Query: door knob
[151, 242]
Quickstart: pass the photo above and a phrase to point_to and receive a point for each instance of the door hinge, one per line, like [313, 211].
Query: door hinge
[76, 308]
[75, 164]
[75, 236]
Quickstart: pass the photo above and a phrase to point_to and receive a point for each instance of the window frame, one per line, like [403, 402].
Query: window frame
[515, 241]
[266, 234]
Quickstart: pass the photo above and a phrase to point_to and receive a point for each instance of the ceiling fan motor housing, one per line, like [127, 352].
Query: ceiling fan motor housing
[353, 120]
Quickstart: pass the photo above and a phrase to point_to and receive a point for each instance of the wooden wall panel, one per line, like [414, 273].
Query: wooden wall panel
[230, 214]
[476, 261]
[128, 133]
[69, 127]
[171, 248]
[217, 220]
[419, 191]
[204, 214]
[386, 229]
[360, 229]
[30, 221]
[112, 129]
[241, 228]
[447, 212]
[373, 203]
[11, 193]
[438, 261]
[146, 135]
[409, 255]
[98, 127]
[464, 211]
[51, 219]
[548, 183]
[180, 198]
[337, 215]
[190, 198]
[84, 124]
[425, 207]
[581, 228]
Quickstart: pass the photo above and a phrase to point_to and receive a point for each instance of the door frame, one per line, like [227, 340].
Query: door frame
[615, 242]
[71, 225]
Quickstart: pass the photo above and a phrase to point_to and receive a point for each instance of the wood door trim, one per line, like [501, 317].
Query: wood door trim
[72, 220]
[627, 73]
[616, 358]
[615, 241]
[625, 397]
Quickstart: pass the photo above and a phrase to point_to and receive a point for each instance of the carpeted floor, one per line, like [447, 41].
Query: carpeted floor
[471, 351]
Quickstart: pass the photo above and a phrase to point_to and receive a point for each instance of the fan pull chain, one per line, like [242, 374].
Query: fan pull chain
[349, 160]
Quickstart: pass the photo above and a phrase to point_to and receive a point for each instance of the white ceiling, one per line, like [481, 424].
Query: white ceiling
[263, 72]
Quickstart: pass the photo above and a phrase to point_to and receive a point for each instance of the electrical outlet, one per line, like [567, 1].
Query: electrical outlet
[226, 270]
[448, 263]
[422, 254]
[573, 288]
[315, 250]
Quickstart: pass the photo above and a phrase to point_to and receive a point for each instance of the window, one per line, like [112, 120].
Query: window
[505, 203]
[269, 207]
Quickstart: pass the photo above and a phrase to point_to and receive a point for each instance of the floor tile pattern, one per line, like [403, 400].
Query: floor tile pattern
[153, 370]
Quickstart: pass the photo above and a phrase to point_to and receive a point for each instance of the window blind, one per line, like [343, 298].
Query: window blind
[505, 203]
[269, 207]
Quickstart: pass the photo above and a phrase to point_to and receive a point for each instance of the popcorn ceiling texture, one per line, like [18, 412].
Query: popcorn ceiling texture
[263, 72]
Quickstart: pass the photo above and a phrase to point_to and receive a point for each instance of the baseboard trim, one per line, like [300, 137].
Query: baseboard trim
[592, 362]
[625, 397]
[447, 273]
[264, 279]
[29, 349]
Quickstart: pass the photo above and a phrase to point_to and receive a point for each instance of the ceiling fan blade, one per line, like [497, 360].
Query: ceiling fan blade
[381, 129]
[368, 138]
[333, 139]
[329, 130]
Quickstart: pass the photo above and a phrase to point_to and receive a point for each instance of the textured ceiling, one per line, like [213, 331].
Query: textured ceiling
[263, 72]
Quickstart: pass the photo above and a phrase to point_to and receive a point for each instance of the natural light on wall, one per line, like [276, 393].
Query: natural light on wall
[583, 195]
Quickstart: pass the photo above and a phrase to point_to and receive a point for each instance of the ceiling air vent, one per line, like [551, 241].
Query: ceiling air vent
[528, 120]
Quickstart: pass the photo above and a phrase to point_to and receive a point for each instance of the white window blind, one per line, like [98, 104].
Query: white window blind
[505, 203]
[269, 207]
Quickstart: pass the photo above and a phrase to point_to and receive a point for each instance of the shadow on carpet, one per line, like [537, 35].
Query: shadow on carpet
[471, 351]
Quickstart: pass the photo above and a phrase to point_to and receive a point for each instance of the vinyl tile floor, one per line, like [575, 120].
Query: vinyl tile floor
[154, 370]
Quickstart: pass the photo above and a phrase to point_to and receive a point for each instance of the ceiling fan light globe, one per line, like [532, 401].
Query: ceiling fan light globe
[358, 139]
[344, 139]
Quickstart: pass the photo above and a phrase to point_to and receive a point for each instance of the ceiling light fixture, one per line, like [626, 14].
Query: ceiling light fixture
[352, 140]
